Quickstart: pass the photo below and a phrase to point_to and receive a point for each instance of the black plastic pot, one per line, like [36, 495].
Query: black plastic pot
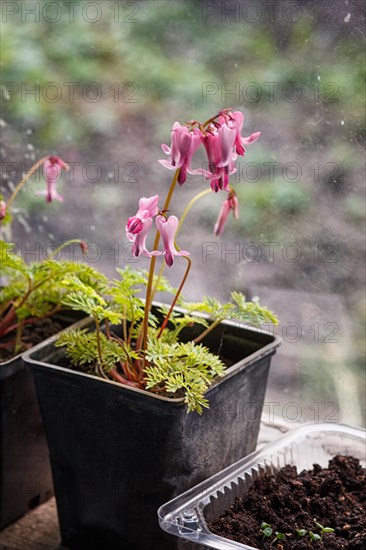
[25, 475]
[118, 453]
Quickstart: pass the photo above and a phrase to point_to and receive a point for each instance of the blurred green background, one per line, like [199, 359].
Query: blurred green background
[100, 84]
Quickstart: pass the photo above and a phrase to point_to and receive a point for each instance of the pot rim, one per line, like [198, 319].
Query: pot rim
[6, 363]
[267, 349]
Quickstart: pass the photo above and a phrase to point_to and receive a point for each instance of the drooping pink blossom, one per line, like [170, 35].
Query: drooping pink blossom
[223, 142]
[221, 159]
[235, 120]
[168, 228]
[230, 204]
[184, 143]
[148, 208]
[52, 170]
[139, 240]
[2, 209]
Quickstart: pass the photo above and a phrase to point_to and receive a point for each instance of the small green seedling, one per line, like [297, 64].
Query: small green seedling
[323, 530]
[300, 532]
[279, 536]
[266, 530]
[314, 537]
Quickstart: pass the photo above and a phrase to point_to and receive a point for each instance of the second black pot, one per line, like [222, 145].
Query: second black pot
[25, 474]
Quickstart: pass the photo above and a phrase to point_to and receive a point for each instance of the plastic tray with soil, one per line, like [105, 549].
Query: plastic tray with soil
[317, 508]
[306, 490]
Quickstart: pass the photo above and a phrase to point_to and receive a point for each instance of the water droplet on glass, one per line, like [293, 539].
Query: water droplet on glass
[347, 18]
[342, 122]
[45, 218]
[30, 147]
[24, 223]
[29, 131]
[92, 228]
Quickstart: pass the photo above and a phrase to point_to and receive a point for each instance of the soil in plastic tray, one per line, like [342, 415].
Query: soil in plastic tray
[32, 335]
[334, 497]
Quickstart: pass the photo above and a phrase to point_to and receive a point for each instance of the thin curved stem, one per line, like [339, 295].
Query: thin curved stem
[207, 331]
[145, 325]
[99, 366]
[24, 180]
[61, 247]
[32, 320]
[191, 203]
[18, 336]
[166, 320]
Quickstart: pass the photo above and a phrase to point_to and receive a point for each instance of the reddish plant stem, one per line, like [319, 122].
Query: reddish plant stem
[107, 329]
[207, 331]
[145, 325]
[24, 180]
[118, 378]
[166, 320]
[11, 314]
[31, 321]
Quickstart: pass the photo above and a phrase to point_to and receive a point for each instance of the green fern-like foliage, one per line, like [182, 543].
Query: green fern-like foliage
[85, 297]
[82, 348]
[165, 365]
[182, 366]
[251, 313]
[36, 290]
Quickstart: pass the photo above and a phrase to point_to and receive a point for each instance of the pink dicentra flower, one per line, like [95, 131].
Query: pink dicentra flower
[168, 228]
[221, 158]
[230, 204]
[184, 143]
[2, 209]
[139, 240]
[138, 226]
[148, 208]
[52, 170]
[235, 120]
[223, 142]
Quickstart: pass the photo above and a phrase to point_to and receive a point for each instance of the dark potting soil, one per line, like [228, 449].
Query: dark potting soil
[32, 335]
[334, 497]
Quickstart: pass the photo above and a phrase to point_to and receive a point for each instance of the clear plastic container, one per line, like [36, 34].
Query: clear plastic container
[187, 516]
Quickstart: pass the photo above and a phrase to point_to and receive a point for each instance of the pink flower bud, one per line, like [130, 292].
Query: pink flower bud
[231, 203]
[84, 247]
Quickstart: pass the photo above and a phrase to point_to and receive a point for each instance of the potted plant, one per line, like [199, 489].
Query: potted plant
[145, 400]
[30, 311]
